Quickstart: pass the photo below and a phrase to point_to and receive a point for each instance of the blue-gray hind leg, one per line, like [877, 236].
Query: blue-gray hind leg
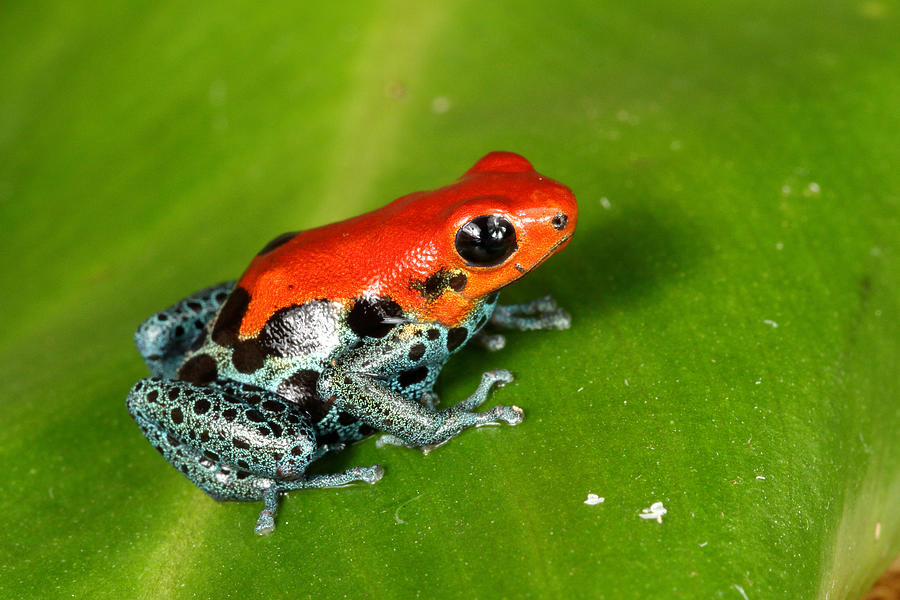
[165, 338]
[234, 441]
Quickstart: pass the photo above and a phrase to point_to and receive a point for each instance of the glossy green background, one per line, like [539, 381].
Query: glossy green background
[736, 168]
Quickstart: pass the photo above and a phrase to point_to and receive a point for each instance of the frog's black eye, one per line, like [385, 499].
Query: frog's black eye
[486, 241]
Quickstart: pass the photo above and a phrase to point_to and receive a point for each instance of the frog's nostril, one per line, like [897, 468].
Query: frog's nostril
[560, 221]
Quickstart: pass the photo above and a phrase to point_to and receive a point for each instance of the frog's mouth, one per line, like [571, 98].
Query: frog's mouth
[522, 270]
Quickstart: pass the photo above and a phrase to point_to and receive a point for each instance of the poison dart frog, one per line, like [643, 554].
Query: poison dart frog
[335, 333]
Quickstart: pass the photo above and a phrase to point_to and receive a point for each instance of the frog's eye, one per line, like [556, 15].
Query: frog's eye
[486, 241]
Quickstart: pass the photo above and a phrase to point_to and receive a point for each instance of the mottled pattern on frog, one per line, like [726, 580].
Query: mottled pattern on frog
[165, 338]
[239, 432]
[297, 343]
[245, 418]
[234, 441]
[239, 437]
[407, 359]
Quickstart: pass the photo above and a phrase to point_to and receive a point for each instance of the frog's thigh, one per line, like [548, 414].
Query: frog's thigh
[164, 338]
[233, 447]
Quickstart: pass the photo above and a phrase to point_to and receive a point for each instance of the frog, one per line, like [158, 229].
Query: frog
[335, 333]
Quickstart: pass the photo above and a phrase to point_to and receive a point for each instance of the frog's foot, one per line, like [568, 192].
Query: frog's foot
[266, 522]
[357, 392]
[492, 342]
[165, 338]
[369, 475]
[459, 417]
[456, 418]
[542, 313]
[456, 421]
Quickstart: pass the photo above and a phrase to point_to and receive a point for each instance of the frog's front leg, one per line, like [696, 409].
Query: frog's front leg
[542, 313]
[497, 377]
[164, 338]
[353, 386]
[234, 441]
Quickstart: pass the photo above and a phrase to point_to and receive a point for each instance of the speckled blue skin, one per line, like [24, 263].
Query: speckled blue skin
[244, 424]
[164, 339]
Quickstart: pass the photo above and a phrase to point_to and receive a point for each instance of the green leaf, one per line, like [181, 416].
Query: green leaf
[733, 282]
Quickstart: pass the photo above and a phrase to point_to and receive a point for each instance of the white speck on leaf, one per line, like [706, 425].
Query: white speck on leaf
[580, 389]
[812, 189]
[771, 323]
[779, 246]
[593, 499]
[656, 511]
[604, 202]
[740, 591]
[760, 476]
[878, 531]
[703, 545]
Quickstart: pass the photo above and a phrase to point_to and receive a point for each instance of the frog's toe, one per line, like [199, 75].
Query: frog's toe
[545, 304]
[371, 474]
[513, 415]
[499, 377]
[266, 523]
[559, 319]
